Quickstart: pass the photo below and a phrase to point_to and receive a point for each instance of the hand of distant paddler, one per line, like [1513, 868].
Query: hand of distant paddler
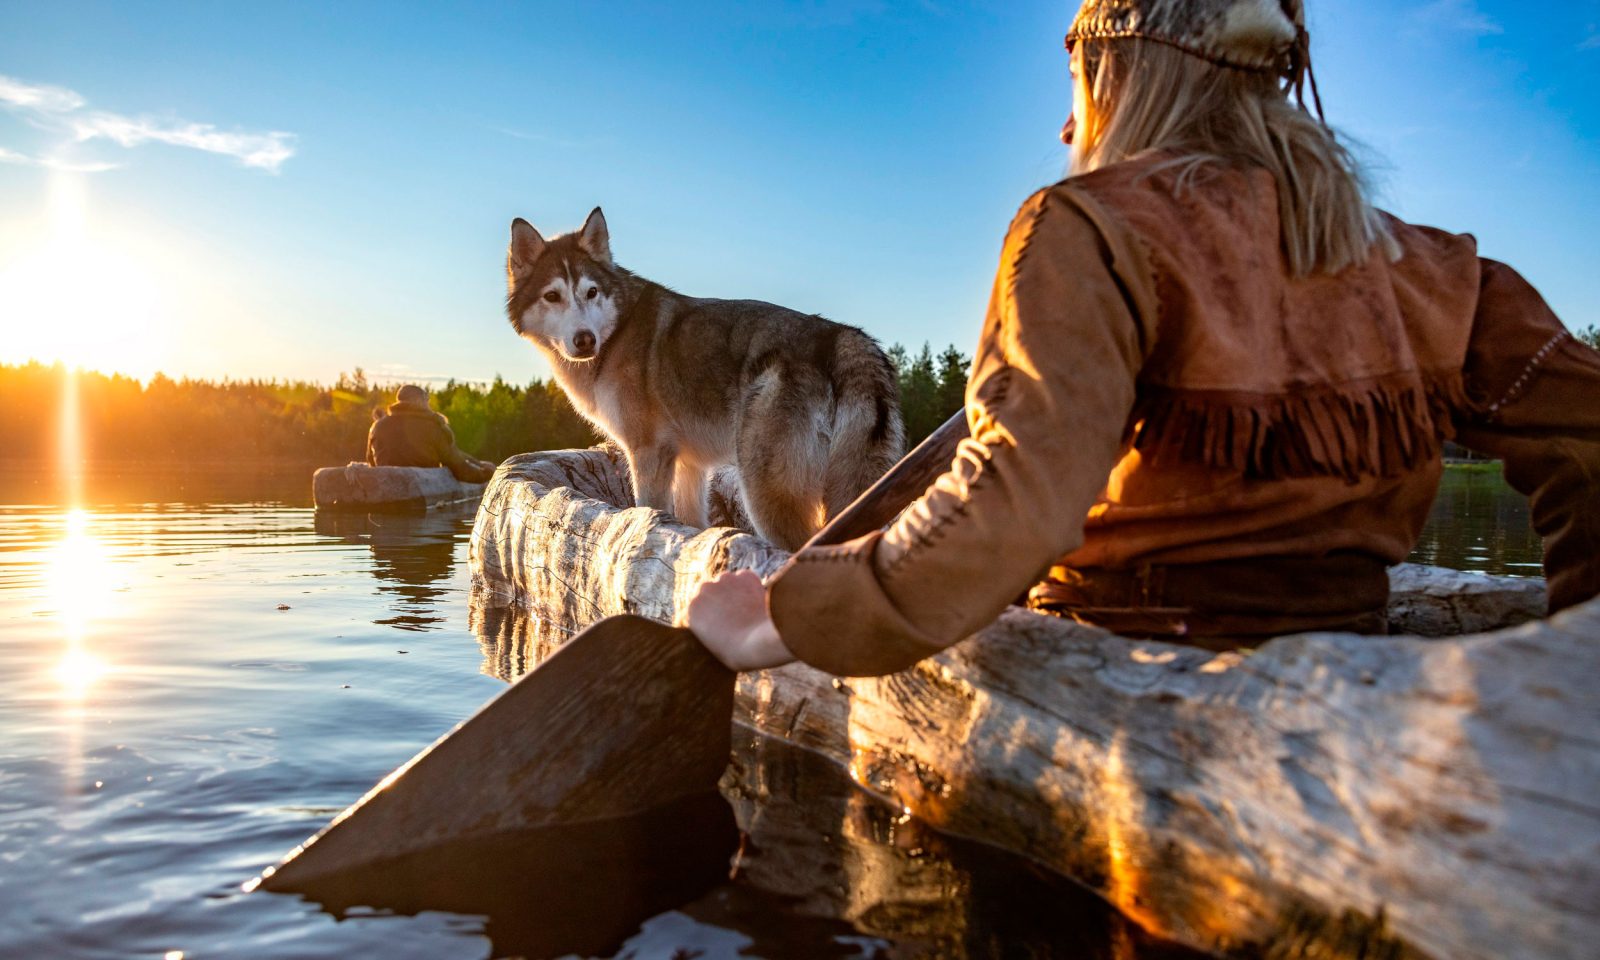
[729, 615]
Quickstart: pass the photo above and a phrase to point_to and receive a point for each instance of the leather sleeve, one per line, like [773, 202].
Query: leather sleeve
[1536, 406]
[1051, 389]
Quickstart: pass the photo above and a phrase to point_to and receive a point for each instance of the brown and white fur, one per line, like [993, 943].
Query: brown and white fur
[806, 409]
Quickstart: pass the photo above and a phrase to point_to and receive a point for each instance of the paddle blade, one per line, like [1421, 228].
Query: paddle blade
[628, 715]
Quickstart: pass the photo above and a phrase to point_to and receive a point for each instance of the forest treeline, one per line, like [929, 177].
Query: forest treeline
[121, 418]
[263, 420]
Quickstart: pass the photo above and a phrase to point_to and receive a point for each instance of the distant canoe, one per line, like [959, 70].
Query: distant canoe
[1326, 795]
[359, 486]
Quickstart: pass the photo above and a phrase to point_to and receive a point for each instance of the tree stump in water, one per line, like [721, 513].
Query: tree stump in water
[1358, 796]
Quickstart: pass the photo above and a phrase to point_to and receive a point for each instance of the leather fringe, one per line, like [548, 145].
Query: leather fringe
[1375, 428]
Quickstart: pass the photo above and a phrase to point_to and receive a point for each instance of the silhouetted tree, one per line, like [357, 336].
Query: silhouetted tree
[953, 368]
[929, 392]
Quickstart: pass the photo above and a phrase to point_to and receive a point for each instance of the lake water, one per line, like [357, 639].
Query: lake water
[1479, 523]
[196, 673]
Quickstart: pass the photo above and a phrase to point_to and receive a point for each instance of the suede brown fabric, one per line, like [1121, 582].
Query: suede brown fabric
[412, 435]
[1243, 601]
[1154, 389]
[1536, 406]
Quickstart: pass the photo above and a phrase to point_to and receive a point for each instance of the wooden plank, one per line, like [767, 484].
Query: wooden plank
[1331, 792]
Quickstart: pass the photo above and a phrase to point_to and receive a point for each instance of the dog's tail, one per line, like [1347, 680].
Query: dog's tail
[868, 433]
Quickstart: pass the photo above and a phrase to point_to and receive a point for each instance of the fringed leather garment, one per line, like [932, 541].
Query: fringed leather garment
[1173, 436]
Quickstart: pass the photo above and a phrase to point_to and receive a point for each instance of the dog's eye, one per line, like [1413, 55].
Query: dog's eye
[552, 296]
[593, 292]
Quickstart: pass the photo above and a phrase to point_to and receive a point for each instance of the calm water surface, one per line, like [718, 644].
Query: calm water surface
[1479, 523]
[194, 676]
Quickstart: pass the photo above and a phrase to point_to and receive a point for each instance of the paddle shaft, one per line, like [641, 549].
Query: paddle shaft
[906, 481]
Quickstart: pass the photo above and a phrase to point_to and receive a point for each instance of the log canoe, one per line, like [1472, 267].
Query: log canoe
[1434, 793]
[363, 487]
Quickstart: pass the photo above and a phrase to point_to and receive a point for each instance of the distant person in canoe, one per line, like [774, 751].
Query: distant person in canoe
[1210, 396]
[411, 434]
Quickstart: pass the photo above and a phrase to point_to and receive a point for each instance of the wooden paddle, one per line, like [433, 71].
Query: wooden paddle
[627, 715]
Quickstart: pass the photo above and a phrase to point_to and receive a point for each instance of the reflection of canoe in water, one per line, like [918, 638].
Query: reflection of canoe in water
[413, 555]
[1358, 796]
[360, 486]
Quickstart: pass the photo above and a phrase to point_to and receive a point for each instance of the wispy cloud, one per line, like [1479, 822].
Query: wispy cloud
[1462, 15]
[1592, 41]
[392, 374]
[62, 109]
[561, 143]
[53, 163]
[45, 99]
[266, 151]
[536, 137]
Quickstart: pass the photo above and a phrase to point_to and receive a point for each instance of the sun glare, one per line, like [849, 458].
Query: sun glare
[81, 581]
[77, 671]
[78, 299]
[81, 575]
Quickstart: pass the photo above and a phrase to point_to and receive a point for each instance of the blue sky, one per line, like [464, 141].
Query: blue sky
[286, 190]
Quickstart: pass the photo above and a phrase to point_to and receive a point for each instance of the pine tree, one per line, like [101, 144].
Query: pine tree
[930, 391]
[952, 395]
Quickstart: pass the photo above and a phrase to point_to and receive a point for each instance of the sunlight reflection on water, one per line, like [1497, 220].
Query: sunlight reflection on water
[81, 588]
[77, 671]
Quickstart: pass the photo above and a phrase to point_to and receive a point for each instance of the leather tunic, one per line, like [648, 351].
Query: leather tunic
[1154, 391]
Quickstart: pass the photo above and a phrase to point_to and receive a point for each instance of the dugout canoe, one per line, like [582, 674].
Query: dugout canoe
[1434, 794]
[362, 487]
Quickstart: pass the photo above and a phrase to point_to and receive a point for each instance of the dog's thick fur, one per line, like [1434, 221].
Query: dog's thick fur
[806, 409]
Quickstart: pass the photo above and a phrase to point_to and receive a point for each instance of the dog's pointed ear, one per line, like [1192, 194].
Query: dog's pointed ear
[595, 239]
[526, 245]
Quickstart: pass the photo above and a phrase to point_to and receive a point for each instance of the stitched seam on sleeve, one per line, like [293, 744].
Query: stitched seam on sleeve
[1521, 385]
[982, 418]
[934, 533]
[1015, 267]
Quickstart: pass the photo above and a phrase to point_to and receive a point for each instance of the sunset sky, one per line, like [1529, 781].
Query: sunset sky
[293, 190]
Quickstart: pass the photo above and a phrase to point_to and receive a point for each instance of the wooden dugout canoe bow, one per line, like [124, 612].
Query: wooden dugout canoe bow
[627, 715]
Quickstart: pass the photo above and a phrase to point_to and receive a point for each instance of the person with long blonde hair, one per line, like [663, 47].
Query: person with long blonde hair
[1210, 397]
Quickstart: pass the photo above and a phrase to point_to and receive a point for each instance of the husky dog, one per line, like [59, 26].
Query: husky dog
[807, 410]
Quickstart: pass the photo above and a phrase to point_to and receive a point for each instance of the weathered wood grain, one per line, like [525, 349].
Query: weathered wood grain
[1333, 793]
[360, 486]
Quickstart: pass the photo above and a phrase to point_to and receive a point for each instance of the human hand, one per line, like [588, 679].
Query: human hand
[728, 613]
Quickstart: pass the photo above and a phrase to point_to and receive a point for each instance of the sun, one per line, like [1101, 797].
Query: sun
[78, 299]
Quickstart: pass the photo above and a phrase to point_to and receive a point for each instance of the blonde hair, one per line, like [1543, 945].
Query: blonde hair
[1143, 96]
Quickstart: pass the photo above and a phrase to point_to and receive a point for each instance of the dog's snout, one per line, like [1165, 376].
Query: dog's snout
[583, 342]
